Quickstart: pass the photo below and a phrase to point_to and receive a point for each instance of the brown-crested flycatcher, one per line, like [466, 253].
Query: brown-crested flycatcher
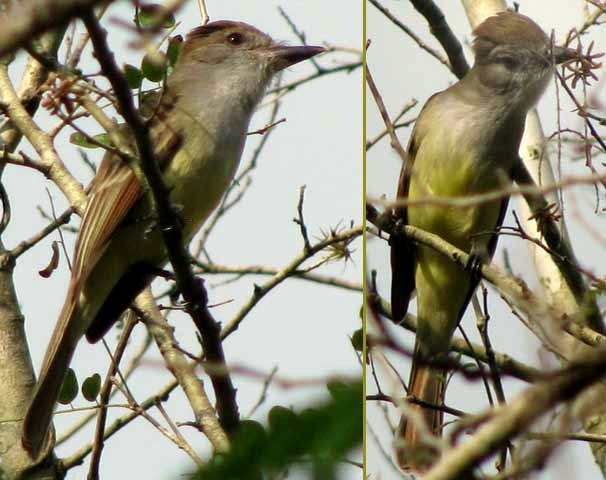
[465, 142]
[198, 133]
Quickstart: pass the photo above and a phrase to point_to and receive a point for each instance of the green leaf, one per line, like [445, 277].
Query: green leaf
[318, 438]
[174, 47]
[357, 340]
[91, 387]
[134, 76]
[338, 388]
[250, 433]
[148, 102]
[152, 68]
[150, 13]
[81, 140]
[69, 389]
[280, 417]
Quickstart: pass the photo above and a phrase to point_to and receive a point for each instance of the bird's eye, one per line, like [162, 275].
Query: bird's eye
[235, 38]
[509, 62]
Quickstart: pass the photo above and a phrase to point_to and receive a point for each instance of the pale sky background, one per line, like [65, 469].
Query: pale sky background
[301, 328]
[402, 72]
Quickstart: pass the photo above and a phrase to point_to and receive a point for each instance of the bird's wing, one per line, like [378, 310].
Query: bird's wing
[492, 245]
[402, 249]
[114, 191]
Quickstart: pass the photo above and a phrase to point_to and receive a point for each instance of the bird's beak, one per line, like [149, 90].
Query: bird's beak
[562, 54]
[283, 57]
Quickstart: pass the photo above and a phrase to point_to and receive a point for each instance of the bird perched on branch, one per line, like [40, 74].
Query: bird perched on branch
[465, 142]
[198, 133]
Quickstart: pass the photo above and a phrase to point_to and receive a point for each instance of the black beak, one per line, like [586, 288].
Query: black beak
[562, 54]
[283, 57]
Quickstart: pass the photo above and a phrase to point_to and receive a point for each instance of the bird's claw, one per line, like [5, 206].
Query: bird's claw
[474, 264]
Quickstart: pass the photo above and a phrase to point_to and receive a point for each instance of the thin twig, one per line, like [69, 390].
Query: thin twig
[240, 271]
[301, 222]
[98, 443]
[77, 457]
[25, 245]
[434, 53]
[441, 30]
[287, 271]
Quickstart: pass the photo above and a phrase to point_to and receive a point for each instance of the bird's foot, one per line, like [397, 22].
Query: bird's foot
[474, 264]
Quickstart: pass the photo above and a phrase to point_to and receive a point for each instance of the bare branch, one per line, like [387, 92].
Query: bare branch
[287, 271]
[441, 30]
[26, 20]
[183, 371]
[434, 53]
[507, 422]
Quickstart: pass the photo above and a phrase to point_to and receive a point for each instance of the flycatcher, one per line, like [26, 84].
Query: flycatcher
[465, 142]
[198, 133]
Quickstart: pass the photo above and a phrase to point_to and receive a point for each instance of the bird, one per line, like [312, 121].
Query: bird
[465, 142]
[198, 133]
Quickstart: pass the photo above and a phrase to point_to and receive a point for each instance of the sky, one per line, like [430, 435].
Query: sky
[403, 72]
[302, 329]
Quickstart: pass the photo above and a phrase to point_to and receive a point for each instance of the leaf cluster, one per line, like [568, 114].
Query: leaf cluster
[317, 438]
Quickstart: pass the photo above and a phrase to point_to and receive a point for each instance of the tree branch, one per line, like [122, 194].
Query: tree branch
[441, 30]
[508, 422]
[288, 271]
[28, 19]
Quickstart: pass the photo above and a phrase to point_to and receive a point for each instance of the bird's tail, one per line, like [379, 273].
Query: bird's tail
[413, 447]
[38, 436]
